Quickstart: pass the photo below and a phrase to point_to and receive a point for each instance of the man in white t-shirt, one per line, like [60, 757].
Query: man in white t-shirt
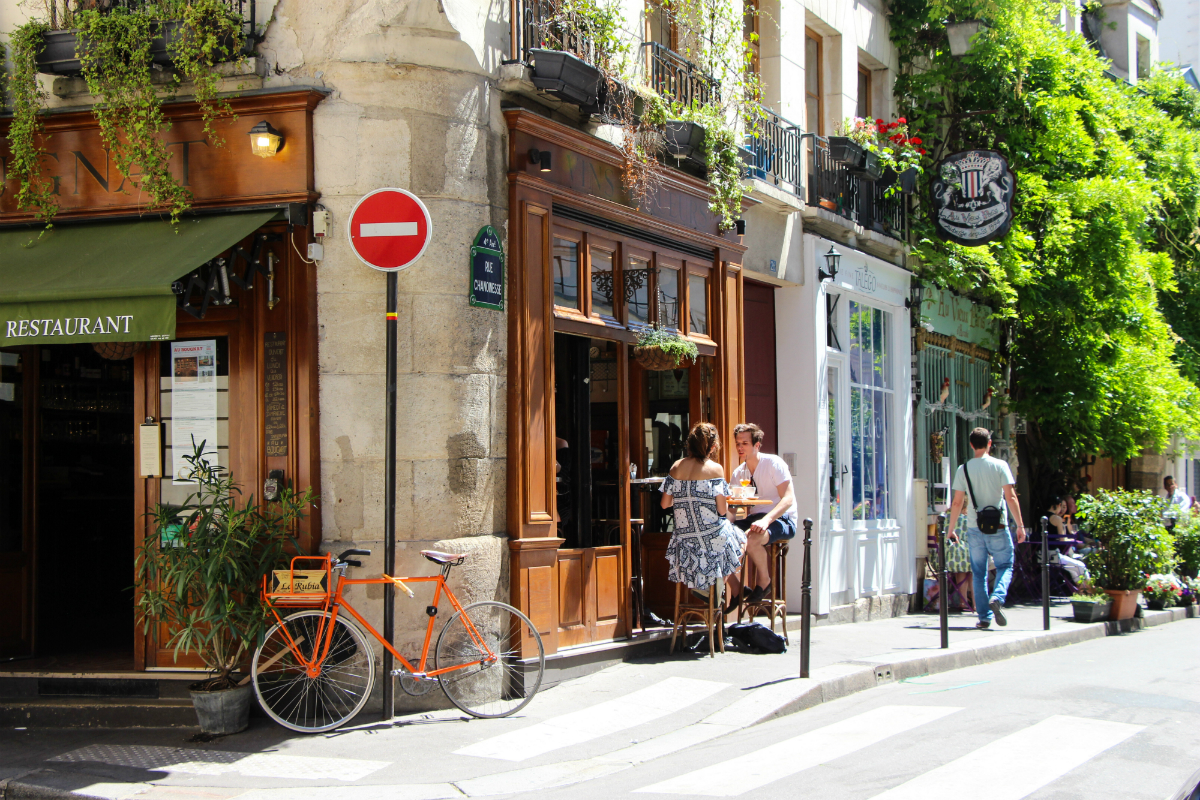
[1177, 496]
[992, 485]
[772, 480]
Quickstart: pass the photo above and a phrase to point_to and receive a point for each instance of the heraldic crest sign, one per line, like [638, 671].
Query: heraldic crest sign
[972, 197]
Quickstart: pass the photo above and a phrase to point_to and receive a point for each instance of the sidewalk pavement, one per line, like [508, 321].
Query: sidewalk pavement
[579, 730]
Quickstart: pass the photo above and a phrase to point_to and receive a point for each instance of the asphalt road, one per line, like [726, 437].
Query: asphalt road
[1112, 718]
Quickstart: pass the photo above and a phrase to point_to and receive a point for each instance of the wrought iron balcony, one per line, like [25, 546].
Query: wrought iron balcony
[673, 76]
[531, 30]
[832, 187]
[777, 151]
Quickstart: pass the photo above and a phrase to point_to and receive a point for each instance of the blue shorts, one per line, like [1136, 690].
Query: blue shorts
[780, 529]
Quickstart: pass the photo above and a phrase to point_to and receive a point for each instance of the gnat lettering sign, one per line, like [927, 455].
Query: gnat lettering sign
[67, 326]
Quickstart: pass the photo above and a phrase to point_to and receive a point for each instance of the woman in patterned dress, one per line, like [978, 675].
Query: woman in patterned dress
[705, 547]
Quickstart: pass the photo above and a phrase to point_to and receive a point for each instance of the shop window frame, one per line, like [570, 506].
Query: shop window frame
[584, 297]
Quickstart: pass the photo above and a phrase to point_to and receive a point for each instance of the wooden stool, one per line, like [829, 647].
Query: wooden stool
[707, 613]
[774, 604]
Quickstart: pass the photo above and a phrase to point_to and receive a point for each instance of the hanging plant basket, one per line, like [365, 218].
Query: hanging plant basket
[567, 77]
[656, 359]
[117, 351]
[684, 139]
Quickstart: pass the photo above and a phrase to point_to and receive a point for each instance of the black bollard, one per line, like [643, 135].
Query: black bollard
[806, 598]
[1045, 573]
[943, 583]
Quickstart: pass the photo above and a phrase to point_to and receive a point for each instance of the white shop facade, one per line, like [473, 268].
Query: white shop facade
[845, 410]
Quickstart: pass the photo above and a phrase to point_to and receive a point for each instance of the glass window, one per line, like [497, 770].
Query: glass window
[637, 291]
[871, 397]
[864, 93]
[661, 28]
[835, 497]
[602, 283]
[566, 273]
[812, 82]
[668, 297]
[698, 304]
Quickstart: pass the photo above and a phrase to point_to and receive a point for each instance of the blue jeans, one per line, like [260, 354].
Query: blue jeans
[999, 546]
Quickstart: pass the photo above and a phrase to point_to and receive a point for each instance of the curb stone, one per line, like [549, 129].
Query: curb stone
[780, 699]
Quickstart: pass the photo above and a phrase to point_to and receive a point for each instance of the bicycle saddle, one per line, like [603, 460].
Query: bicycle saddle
[454, 559]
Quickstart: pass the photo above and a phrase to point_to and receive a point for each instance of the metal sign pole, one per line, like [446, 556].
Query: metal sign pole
[1045, 574]
[389, 503]
[943, 583]
[806, 598]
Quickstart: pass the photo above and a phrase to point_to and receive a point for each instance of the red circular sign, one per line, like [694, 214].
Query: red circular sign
[389, 229]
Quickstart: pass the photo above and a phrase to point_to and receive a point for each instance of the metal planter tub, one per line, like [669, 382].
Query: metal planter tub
[62, 50]
[567, 77]
[1090, 612]
[844, 150]
[684, 139]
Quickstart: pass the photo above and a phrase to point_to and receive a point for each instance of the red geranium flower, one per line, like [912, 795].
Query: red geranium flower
[902, 121]
[915, 140]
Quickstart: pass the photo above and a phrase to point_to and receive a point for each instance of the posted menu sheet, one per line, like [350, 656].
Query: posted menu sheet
[193, 403]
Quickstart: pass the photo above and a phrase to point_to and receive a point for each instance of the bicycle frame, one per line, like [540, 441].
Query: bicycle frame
[336, 602]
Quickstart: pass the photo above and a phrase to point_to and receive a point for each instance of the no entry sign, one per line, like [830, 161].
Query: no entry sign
[389, 229]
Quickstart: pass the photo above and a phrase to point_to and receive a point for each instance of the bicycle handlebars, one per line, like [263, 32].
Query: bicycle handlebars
[342, 558]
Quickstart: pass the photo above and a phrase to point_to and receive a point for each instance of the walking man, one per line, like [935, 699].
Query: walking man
[988, 480]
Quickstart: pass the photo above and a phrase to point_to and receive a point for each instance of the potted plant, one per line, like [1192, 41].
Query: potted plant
[1131, 544]
[879, 150]
[660, 349]
[1090, 604]
[201, 576]
[117, 48]
[1162, 591]
[582, 51]
[567, 77]
[684, 139]
[1191, 590]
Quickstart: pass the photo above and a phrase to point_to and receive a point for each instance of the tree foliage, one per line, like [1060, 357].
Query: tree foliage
[1106, 198]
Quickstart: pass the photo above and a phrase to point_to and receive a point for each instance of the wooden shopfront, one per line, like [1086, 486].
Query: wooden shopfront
[588, 272]
[82, 405]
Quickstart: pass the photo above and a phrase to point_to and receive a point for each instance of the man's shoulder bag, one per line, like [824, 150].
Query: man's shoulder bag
[990, 519]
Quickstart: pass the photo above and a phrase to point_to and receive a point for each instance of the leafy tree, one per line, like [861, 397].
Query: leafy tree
[1105, 179]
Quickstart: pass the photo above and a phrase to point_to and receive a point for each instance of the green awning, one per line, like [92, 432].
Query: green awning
[106, 282]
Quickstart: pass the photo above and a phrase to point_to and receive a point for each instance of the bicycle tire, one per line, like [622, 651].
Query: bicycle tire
[333, 697]
[503, 687]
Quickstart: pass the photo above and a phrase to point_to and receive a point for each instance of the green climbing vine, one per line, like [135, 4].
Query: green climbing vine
[26, 132]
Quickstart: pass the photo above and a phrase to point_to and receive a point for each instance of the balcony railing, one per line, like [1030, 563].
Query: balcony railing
[531, 30]
[673, 76]
[777, 149]
[832, 187]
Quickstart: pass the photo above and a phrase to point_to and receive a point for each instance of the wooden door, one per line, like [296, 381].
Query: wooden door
[18, 470]
[761, 392]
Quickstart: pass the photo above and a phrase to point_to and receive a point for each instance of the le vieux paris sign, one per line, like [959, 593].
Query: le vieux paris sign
[86, 183]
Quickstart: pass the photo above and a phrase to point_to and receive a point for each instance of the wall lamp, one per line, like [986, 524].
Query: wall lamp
[916, 295]
[541, 158]
[832, 260]
[265, 141]
[739, 225]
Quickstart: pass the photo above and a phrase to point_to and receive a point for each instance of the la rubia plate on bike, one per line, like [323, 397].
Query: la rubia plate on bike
[315, 668]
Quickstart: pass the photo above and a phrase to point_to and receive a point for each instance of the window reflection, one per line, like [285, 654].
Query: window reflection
[602, 282]
[566, 273]
[637, 291]
[668, 297]
[870, 412]
[698, 304]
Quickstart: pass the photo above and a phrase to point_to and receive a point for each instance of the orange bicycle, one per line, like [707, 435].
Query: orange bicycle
[315, 668]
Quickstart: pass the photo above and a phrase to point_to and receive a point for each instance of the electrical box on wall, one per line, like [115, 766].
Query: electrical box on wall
[320, 223]
[316, 251]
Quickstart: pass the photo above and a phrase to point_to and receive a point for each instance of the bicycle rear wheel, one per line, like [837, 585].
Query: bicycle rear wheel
[484, 642]
[313, 704]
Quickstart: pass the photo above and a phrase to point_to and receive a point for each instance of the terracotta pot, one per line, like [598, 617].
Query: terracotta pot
[1124, 602]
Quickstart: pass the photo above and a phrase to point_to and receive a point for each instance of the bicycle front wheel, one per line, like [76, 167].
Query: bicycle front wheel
[306, 703]
[484, 642]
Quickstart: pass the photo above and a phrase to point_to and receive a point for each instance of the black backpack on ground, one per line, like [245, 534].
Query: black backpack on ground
[754, 637]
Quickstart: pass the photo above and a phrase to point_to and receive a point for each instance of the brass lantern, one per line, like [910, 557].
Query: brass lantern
[265, 141]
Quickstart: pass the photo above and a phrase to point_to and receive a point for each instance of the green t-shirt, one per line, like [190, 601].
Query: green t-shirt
[989, 476]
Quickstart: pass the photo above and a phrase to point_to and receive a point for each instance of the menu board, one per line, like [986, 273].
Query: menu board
[193, 404]
[275, 358]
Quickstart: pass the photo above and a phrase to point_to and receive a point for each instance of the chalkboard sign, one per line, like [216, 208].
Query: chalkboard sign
[275, 358]
[487, 270]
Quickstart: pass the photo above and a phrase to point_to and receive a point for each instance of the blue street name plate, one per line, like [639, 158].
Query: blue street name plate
[487, 270]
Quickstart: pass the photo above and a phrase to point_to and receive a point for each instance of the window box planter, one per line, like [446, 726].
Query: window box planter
[1091, 612]
[61, 53]
[871, 168]
[684, 139]
[908, 179]
[567, 77]
[844, 150]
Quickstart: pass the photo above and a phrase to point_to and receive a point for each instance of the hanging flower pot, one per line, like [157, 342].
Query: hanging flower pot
[657, 350]
[567, 77]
